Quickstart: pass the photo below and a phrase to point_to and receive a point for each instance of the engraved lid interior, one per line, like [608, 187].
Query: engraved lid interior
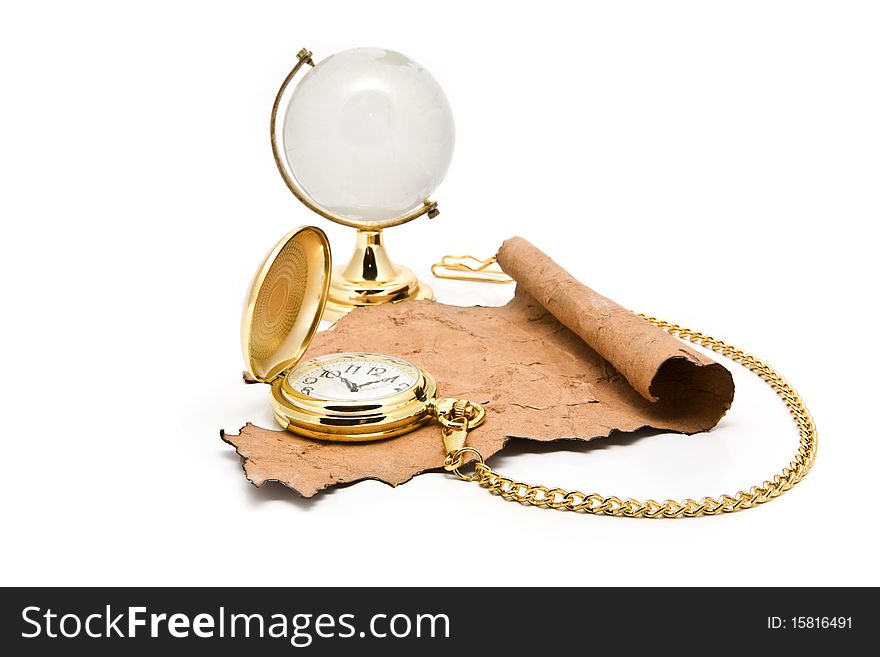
[285, 302]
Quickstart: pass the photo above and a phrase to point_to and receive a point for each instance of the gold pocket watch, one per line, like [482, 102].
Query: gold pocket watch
[351, 397]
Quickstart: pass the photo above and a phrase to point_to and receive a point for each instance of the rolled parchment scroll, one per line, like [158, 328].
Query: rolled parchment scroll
[656, 364]
[559, 361]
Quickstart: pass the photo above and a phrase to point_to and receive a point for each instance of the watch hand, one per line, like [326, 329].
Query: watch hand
[353, 387]
[369, 383]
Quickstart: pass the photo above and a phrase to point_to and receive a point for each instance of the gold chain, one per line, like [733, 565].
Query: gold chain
[558, 498]
[457, 417]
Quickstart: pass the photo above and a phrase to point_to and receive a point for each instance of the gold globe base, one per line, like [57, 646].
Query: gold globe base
[371, 278]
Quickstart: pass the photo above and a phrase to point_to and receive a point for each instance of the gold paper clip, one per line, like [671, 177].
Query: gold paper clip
[469, 268]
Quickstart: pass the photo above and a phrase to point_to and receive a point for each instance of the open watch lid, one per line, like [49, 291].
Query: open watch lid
[285, 302]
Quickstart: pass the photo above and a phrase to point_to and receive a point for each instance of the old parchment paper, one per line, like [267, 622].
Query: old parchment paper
[558, 362]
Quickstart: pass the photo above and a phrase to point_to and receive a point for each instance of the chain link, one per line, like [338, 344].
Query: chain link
[558, 498]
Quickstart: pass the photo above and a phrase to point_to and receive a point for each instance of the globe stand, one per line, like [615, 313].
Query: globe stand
[371, 278]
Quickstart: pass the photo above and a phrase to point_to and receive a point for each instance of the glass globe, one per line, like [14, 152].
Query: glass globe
[368, 134]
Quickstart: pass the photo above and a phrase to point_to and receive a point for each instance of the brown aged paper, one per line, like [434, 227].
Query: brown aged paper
[558, 362]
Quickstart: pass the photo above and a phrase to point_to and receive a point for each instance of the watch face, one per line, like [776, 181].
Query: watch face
[353, 377]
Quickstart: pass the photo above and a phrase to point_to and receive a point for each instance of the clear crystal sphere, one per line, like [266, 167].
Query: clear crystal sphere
[368, 134]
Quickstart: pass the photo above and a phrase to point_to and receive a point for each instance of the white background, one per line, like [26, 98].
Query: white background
[711, 163]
